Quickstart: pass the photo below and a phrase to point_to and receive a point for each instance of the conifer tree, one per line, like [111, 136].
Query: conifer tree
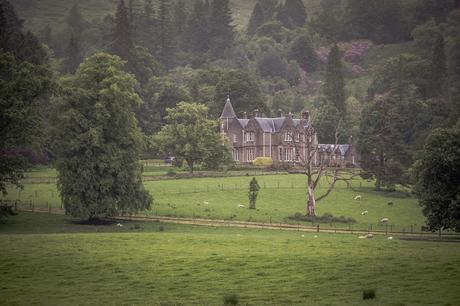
[122, 44]
[257, 19]
[180, 18]
[334, 87]
[75, 20]
[253, 192]
[295, 10]
[73, 54]
[221, 28]
[438, 68]
[165, 34]
[196, 37]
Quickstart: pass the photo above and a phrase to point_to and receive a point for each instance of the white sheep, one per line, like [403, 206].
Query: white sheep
[362, 237]
[205, 202]
[390, 238]
[364, 212]
[369, 235]
[384, 220]
[241, 206]
[316, 236]
[119, 225]
[358, 197]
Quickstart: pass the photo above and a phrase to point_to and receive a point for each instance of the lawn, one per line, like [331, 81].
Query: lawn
[280, 197]
[46, 260]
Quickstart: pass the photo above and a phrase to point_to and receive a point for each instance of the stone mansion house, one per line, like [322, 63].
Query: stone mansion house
[282, 139]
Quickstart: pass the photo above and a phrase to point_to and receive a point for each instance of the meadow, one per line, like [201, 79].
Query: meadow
[281, 196]
[48, 260]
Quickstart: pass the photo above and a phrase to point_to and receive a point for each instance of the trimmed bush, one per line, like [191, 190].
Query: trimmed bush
[263, 161]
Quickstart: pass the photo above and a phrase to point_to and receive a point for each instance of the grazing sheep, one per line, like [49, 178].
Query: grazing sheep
[358, 197]
[384, 220]
[364, 212]
[241, 206]
[303, 236]
[369, 236]
[390, 238]
[362, 237]
[205, 202]
[119, 225]
[316, 236]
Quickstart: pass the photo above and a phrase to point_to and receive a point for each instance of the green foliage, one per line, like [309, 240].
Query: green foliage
[262, 161]
[437, 180]
[257, 19]
[293, 13]
[23, 88]
[438, 86]
[165, 34]
[334, 84]
[253, 192]
[196, 36]
[97, 141]
[221, 33]
[274, 30]
[368, 294]
[325, 218]
[301, 50]
[190, 136]
[244, 91]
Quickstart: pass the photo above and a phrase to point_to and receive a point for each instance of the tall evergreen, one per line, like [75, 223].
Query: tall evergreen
[257, 19]
[334, 86]
[122, 44]
[180, 18]
[196, 36]
[221, 28]
[73, 54]
[438, 68]
[75, 20]
[165, 34]
[296, 12]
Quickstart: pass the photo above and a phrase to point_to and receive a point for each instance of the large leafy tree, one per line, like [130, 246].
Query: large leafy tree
[189, 135]
[25, 82]
[301, 50]
[97, 141]
[437, 180]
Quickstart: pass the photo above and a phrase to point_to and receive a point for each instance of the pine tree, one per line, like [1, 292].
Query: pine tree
[165, 34]
[122, 44]
[73, 54]
[438, 68]
[334, 86]
[295, 10]
[257, 19]
[180, 18]
[221, 29]
[196, 37]
[253, 192]
[75, 20]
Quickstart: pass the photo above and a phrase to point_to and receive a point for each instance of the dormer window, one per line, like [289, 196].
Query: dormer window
[287, 136]
[250, 136]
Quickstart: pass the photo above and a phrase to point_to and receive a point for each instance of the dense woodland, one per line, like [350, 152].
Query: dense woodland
[385, 73]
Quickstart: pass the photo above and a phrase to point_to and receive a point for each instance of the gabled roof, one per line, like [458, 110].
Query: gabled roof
[228, 112]
[243, 122]
[341, 148]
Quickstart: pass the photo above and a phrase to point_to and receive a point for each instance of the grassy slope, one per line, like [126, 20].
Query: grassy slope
[199, 265]
[187, 197]
[39, 13]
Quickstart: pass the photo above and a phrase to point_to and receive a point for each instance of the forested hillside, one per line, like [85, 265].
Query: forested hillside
[382, 73]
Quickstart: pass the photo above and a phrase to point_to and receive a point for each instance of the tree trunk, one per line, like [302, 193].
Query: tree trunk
[311, 202]
[190, 166]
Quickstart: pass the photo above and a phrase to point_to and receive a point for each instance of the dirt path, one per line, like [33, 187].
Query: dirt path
[271, 226]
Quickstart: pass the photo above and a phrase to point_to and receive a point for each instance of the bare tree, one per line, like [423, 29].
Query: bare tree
[316, 165]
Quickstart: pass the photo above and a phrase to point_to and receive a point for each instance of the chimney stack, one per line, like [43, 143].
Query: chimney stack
[280, 112]
[245, 115]
[256, 113]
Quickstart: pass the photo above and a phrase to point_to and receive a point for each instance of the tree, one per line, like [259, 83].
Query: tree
[301, 50]
[22, 87]
[221, 32]
[295, 10]
[196, 37]
[122, 44]
[97, 141]
[257, 19]
[165, 34]
[437, 180]
[180, 18]
[271, 64]
[244, 90]
[189, 135]
[334, 85]
[75, 20]
[253, 192]
[73, 54]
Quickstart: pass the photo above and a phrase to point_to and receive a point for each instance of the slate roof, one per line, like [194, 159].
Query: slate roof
[270, 125]
[342, 148]
[243, 122]
[228, 112]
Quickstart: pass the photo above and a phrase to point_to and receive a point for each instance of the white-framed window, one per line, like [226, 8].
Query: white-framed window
[297, 137]
[235, 139]
[250, 154]
[287, 136]
[250, 136]
[236, 154]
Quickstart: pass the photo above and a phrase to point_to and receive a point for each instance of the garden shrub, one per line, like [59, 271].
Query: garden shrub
[263, 161]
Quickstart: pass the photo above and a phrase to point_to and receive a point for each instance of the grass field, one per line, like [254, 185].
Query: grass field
[280, 196]
[46, 260]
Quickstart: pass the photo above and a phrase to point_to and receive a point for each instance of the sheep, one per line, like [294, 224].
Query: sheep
[316, 236]
[384, 220]
[362, 237]
[364, 212]
[358, 197]
[303, 236]
[390, 238]
[367, 236]
[241, 206]
[119, 225]
[206, 203]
